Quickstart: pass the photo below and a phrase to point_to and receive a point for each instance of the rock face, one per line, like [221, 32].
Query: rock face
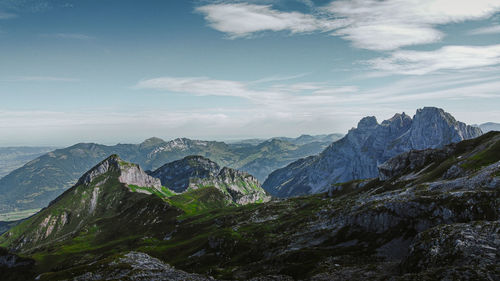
[241, 187]
[194, 172]
[357, 155]
[178, 174]
[464, 245]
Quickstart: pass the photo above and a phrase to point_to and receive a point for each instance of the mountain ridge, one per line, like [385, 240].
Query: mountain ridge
[357, 155]
[41, 180]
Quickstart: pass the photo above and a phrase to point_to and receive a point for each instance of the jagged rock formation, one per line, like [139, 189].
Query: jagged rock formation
[357, 155]
[435, 216]
[194, 172]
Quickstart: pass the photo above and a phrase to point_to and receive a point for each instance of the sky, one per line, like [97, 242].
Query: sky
[121, 71]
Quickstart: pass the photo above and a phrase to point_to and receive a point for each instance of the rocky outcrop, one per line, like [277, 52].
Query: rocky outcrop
[357, 155]
[129, 173]
[241, 187]
[469, 248]
[137, 266]
[194, 172]
[178, 174]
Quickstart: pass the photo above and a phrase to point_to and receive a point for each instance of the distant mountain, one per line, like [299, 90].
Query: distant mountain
[430, 214]
[306, 139]
[116, 188]
[41, 180]
[12, 158]
[301, 140]
[490, 126]
[357, 155]
[195, 172]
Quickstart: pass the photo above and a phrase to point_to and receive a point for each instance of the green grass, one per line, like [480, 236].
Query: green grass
[163, 193]
[484, 158]
[199, 200]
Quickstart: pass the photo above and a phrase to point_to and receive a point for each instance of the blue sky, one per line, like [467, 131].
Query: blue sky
[122, 71]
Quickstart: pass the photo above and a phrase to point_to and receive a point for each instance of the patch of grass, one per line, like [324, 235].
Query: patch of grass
[483, 158]
[163, 193]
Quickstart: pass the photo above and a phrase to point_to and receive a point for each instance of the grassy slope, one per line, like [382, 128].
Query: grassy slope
[195, 232]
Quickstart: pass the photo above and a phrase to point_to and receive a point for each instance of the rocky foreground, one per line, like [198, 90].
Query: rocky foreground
[429, 215]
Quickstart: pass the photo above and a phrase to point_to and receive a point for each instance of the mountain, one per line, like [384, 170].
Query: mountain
[114, 186]
[195, 172]
[357, 155]
[12, 158]
[301, 140]
[490, 126]
[428, 215]
[306, 139]
[41, 180]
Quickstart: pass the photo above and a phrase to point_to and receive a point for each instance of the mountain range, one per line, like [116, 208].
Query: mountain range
[41, 180]
[489, 126]
[357, 155]
[12, 158]
[428, 214]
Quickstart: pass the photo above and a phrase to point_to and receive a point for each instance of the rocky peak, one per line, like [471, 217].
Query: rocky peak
[109, 164]
[129, 173]
[178, 174]
[154, 141]
[228, 174]
[367, 122]
[357, 155]
[433, 128]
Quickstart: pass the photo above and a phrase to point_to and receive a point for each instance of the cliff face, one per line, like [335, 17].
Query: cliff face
[194, 172]
[240, 187]
[177, 175]
[363, 149]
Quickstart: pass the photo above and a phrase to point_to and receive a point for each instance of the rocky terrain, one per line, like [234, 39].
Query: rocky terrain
[194, 172]
[429, 214]
[357, 155]
[41, 180]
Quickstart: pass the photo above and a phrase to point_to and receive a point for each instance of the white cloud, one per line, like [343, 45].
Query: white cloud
[391, 24]
[368, 24]
[241, 19]
[73, 36]
[494, 29]
[445, 58]
[202, 86]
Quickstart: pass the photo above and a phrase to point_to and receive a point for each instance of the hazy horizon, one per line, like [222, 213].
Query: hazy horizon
[123, 71]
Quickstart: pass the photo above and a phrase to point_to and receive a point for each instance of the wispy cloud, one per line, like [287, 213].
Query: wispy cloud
[5, 16]
[368, 24]
[445, 58]
[388, 25]
[73, 36]
[242, 19]
[38, 79]
[494, 29]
